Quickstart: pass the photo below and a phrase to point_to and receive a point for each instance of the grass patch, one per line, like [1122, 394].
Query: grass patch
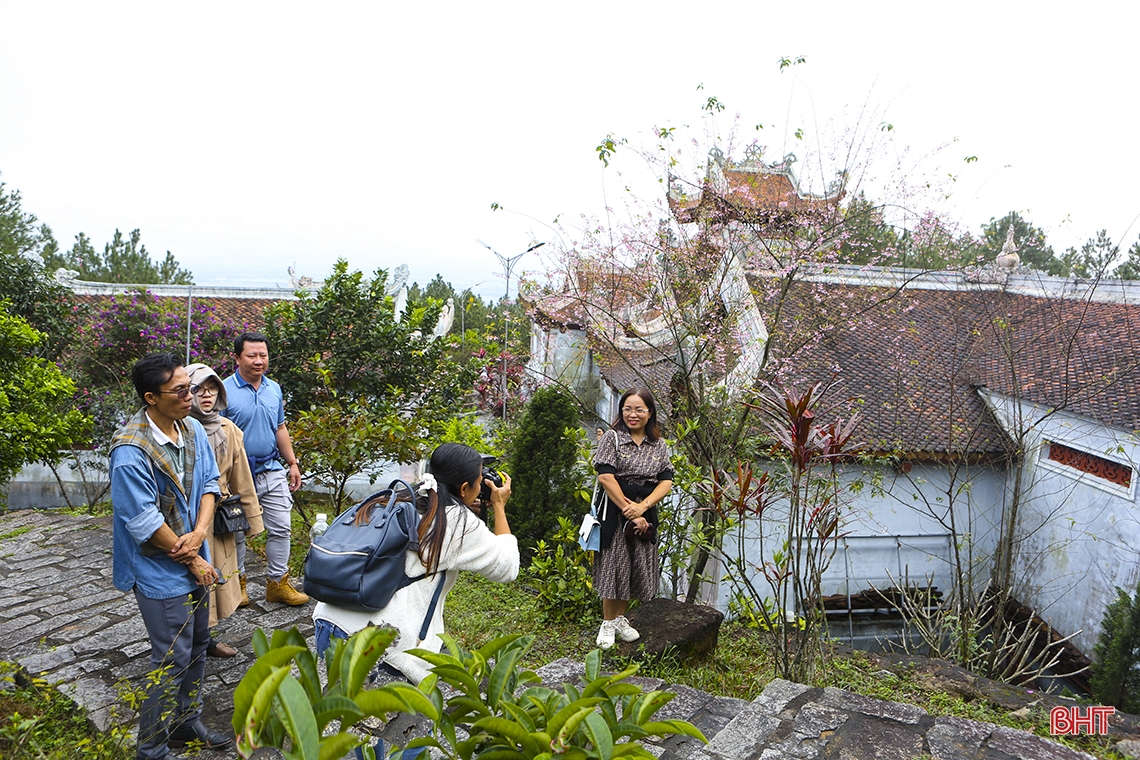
[15, 532]
[479, 610]
[100, 509]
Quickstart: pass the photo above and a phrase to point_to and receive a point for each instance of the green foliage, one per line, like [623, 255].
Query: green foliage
[340, 438]
[562, 577]
[712, 433]
[28, 287]
[1115, 677]
[543, 459]
[504, 711]
[465, 429]
[471, 313]
[37, 722]
[123, 260]
[36, 415]
[1093, 259]
[866, 238]
[386, 385]
[1129, 269]
[281, 703]
[350, 328]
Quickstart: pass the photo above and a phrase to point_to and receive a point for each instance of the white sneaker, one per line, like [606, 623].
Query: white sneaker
[606, 634]
[624, 630]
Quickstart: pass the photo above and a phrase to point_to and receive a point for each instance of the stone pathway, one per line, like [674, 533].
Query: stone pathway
[60, 617]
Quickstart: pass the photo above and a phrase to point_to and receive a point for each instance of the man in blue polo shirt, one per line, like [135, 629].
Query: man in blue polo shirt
[255, 404]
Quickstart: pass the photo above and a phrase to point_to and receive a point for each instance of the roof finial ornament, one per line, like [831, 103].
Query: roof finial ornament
[1008, 258]
[753, 154]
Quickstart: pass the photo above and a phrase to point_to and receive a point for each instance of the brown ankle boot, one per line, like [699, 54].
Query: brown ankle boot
[283, 591]
[244, 595]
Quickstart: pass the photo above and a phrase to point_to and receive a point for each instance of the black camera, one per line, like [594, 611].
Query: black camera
[491, 475]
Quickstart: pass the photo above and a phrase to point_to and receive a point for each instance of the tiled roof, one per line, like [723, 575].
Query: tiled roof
[913, 358]
[247, 312]
[596, 297]
[653, 368]
[753, 191]
[757, 198]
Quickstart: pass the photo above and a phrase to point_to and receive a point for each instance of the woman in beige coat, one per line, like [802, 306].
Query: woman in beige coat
[234, 478]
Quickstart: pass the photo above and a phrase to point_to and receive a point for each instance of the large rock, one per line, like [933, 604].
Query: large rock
[686, 631]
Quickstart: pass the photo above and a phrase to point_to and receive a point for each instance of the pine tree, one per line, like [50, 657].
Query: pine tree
[1115, 678]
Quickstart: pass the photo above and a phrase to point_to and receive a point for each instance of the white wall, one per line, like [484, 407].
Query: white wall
[903, 525]
[563, 356]
[1080, 534]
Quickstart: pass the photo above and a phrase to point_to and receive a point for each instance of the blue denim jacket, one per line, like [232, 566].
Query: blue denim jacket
[134, 497]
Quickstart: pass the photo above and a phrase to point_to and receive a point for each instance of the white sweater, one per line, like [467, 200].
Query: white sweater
[476, 548]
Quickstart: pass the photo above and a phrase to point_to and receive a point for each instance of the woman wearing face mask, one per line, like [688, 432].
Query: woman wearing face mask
[633, 468]
[451, 538]
[234, 479]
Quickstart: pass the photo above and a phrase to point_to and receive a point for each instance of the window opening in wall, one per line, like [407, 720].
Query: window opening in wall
[1106, 469]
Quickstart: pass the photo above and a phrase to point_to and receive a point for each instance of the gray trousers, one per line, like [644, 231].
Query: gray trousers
[179, 630]
[277, 513]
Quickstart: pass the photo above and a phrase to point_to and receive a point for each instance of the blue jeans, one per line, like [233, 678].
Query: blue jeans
[323, 634]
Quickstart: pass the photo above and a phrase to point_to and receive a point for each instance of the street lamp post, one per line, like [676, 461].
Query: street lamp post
[508, 263]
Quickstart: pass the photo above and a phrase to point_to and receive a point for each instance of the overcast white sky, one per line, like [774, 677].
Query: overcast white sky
[244, 137]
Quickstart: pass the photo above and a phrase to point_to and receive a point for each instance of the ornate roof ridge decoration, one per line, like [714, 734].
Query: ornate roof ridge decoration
[753, 161]
[751, 190]
[1023, 282]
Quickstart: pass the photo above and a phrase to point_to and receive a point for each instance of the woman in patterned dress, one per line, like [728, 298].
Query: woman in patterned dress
[633, 468]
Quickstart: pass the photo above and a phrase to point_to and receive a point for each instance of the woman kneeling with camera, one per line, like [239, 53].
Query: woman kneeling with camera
[451, 538]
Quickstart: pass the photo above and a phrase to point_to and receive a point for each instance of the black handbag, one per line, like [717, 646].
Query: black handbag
[648, 536]
[229, 516]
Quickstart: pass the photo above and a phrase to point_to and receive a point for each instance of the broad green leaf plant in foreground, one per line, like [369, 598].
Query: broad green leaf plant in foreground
[494, 708]
[280, 702]
[505, 712]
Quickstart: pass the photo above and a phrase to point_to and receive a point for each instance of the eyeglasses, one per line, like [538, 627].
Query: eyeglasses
[631, 410]
[183, 393]
[204, 390]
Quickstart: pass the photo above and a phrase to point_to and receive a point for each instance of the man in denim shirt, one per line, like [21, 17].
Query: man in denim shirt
[164, 482]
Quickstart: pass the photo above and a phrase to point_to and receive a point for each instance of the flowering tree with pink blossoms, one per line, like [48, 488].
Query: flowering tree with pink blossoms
[109, 337]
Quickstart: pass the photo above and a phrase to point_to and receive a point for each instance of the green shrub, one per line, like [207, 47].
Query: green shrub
[543, 459]
[562, 577]
[496, 709]
[37, 722]
[280, 702]
[36, 420]
[1115, 678]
